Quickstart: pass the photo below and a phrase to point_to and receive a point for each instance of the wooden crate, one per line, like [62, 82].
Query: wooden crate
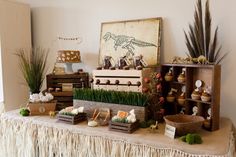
[124, 127]
[42, 108]
[72, 119]
[65, 98]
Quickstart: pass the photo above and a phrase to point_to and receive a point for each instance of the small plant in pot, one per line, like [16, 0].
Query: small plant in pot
[32, 64]
[33, 67]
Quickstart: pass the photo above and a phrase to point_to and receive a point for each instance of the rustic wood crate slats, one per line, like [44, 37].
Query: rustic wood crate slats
[65, 98]
[72, 119]
[124, 127]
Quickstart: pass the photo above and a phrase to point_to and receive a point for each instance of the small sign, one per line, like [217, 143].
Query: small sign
[67, 87]
[170, 131]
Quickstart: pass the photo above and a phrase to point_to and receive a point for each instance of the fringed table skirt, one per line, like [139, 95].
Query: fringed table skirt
[42, 136]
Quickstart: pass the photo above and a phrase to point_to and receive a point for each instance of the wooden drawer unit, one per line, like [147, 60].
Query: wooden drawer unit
[61, 87]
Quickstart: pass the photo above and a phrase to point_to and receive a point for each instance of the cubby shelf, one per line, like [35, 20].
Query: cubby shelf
[210, 75]
[199, 101]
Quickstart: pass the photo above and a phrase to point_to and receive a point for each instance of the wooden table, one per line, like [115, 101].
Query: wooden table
[42, 136]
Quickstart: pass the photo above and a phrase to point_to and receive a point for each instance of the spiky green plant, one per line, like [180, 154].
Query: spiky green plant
[198, 40]
[116, 97]
[33, 67]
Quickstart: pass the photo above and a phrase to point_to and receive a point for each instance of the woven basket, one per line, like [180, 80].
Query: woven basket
[184, 123]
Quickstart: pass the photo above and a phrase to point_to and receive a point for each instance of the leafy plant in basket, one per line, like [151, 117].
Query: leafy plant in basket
[199, 40]
[33, 67]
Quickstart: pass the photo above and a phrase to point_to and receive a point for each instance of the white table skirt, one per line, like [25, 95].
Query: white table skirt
[42, 136]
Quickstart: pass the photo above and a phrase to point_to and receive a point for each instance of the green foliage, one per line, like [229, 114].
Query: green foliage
[24, 112]
[192, 139]
[146, 124]
[33, 67]
[198, 40]
[68, 113]
[120, 120]
[183, 138]
[197, 139]
[116, 97]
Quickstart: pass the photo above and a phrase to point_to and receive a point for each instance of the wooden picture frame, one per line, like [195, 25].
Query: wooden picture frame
[131, 39]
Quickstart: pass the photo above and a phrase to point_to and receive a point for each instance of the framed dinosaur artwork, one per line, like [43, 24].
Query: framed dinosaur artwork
[131, 40]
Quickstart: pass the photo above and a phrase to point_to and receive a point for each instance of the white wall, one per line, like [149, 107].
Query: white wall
[83, 18]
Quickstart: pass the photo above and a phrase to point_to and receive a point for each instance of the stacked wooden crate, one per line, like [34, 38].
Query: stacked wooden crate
[59, 86]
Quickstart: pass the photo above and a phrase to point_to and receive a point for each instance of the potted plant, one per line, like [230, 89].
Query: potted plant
[201, 46]
[33, 67]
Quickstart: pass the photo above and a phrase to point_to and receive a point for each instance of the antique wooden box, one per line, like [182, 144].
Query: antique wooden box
[42, 108]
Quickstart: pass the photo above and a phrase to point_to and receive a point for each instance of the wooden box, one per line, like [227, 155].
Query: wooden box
[124, 127]
[210, 75]
[64, 83]
[42, 108]
[72, 119]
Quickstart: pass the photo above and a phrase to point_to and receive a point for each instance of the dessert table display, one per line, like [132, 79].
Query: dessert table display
[43, 136]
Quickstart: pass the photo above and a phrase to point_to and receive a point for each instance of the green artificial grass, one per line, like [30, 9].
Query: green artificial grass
[115, 97]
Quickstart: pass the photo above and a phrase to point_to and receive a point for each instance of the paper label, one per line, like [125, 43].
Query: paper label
[170, 131]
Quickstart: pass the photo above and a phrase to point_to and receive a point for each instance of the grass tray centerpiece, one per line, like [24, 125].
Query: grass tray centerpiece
[115, 100]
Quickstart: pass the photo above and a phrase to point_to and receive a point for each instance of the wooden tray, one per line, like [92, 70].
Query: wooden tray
[124, 127]
[72, 119]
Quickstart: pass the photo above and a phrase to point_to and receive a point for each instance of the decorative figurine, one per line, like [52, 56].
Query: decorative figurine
[196, 94]
[181, 77]
[209, 114]
[170, 97]
[154, 127]
[139, 62]
[107, 62]
[182, 110]
[207, 122]
[181, 98]
[169, 75]
[195, 110]
[123, 62]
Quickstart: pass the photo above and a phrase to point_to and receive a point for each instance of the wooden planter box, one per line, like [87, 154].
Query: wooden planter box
[124, 127]
[89, 106]
[42, 108]
[72, 119]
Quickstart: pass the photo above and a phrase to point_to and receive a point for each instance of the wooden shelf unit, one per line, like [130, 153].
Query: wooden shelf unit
[65, 98]
[211, 77]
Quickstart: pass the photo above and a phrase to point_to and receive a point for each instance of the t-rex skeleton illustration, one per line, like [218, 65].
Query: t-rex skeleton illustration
[126, 42]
